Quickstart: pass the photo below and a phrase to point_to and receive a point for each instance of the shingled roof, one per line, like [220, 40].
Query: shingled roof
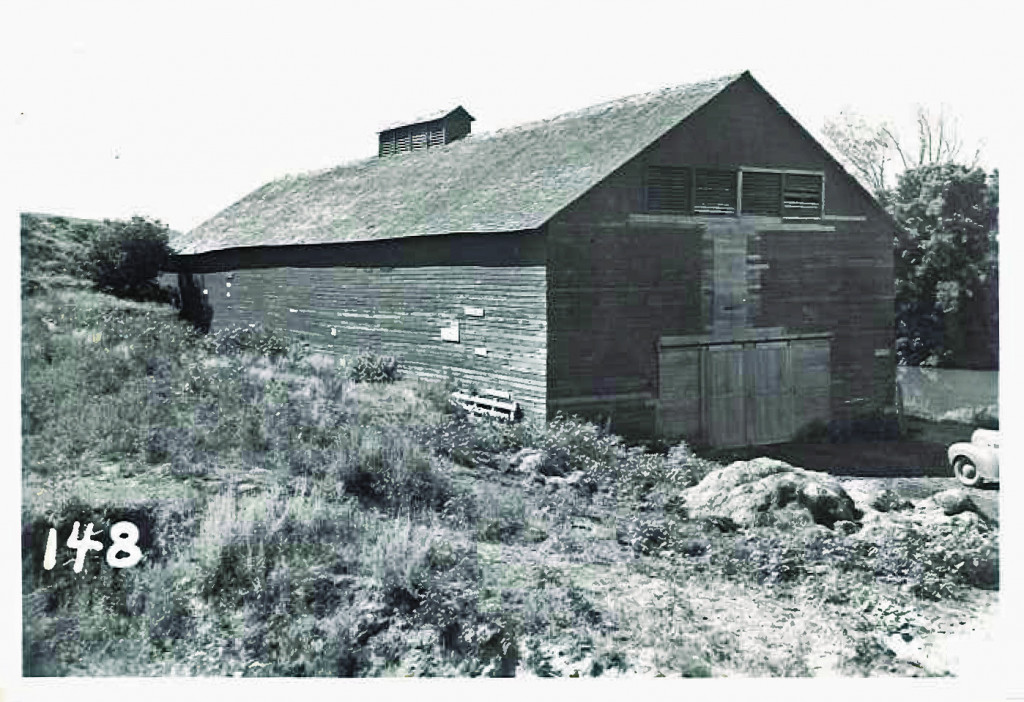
[511, 180]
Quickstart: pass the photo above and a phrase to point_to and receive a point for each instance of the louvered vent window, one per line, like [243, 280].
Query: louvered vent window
[715, 192]
[403, 139]
[762, 193]
[437, 135]
[801, 195]
[668, 189]
[419, 137]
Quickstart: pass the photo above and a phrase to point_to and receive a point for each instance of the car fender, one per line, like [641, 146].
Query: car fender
[983, 458]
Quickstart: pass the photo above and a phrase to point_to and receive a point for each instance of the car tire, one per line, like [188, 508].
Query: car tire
[966, 472]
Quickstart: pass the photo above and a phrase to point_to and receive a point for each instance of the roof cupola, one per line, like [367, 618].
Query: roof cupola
[424, 132]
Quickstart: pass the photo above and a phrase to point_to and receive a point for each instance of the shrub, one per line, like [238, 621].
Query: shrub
[937, 561]
[389, 470]
[575, 444]
[193, 305]
[126, 257]
[986, 418]
[371, 368]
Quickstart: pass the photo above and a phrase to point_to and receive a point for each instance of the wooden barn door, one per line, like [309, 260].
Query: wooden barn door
[739, 394]
[725, 389]
[770, 393]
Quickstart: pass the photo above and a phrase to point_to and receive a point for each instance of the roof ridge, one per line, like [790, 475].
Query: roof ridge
[591, 110]
[578, 113]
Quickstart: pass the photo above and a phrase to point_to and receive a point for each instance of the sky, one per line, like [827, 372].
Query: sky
[176, 110]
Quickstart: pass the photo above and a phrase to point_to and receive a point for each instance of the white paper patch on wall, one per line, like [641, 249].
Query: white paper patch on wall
[881, 353]
[451, 332]
[480, 352]
[474, 311]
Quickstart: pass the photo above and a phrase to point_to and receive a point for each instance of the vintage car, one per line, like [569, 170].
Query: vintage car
[978, 460]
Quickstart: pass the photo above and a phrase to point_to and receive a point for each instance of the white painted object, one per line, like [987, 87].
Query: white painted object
[451, 332]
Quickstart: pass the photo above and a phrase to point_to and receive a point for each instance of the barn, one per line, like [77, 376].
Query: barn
[687, 263]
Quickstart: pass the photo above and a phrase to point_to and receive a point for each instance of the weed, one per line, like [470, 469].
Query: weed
[371, 368]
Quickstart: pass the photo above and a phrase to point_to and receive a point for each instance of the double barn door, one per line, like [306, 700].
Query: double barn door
[742, 393]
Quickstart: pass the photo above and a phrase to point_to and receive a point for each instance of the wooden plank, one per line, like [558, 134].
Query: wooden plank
[770, 411]
[725, 396]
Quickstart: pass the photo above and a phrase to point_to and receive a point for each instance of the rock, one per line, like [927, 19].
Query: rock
[889, 501]
[970, 519]
[693, 547]
[502, 462]
[532, 460]
[953, 501]
[846, 527]
[723, 525]
[721, 481]
[766, 492]
[827, 504]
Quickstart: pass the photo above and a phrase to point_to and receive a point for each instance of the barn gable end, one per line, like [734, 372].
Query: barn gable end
[681, 322]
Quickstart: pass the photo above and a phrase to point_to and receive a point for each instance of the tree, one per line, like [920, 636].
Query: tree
[125, 257]
[864, 148]
[947, 301]
[938, 142]
[947, 266]
[867, 148]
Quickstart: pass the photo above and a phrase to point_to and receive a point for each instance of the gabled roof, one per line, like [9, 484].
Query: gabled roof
[512, 180]
[434, 116]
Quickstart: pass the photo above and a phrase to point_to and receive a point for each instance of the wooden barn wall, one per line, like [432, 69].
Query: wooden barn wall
[620, 278]
[840, 281]
[611, 293]
[394, 297]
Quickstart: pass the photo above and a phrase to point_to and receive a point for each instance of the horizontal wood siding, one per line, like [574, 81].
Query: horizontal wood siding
[337, 300]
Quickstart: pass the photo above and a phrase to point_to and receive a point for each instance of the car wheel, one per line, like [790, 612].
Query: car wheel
[966, 472]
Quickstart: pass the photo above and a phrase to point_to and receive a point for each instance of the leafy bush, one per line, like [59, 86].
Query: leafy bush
[575, 444]
[937, 561]
[126, 257]
[986, 418]
[371, 368]
[193, 305]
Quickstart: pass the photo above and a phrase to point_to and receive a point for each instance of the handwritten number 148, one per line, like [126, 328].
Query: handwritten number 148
[124, 552]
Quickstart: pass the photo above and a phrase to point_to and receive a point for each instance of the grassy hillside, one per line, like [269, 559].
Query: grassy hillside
[53, 251]
[294, 522]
